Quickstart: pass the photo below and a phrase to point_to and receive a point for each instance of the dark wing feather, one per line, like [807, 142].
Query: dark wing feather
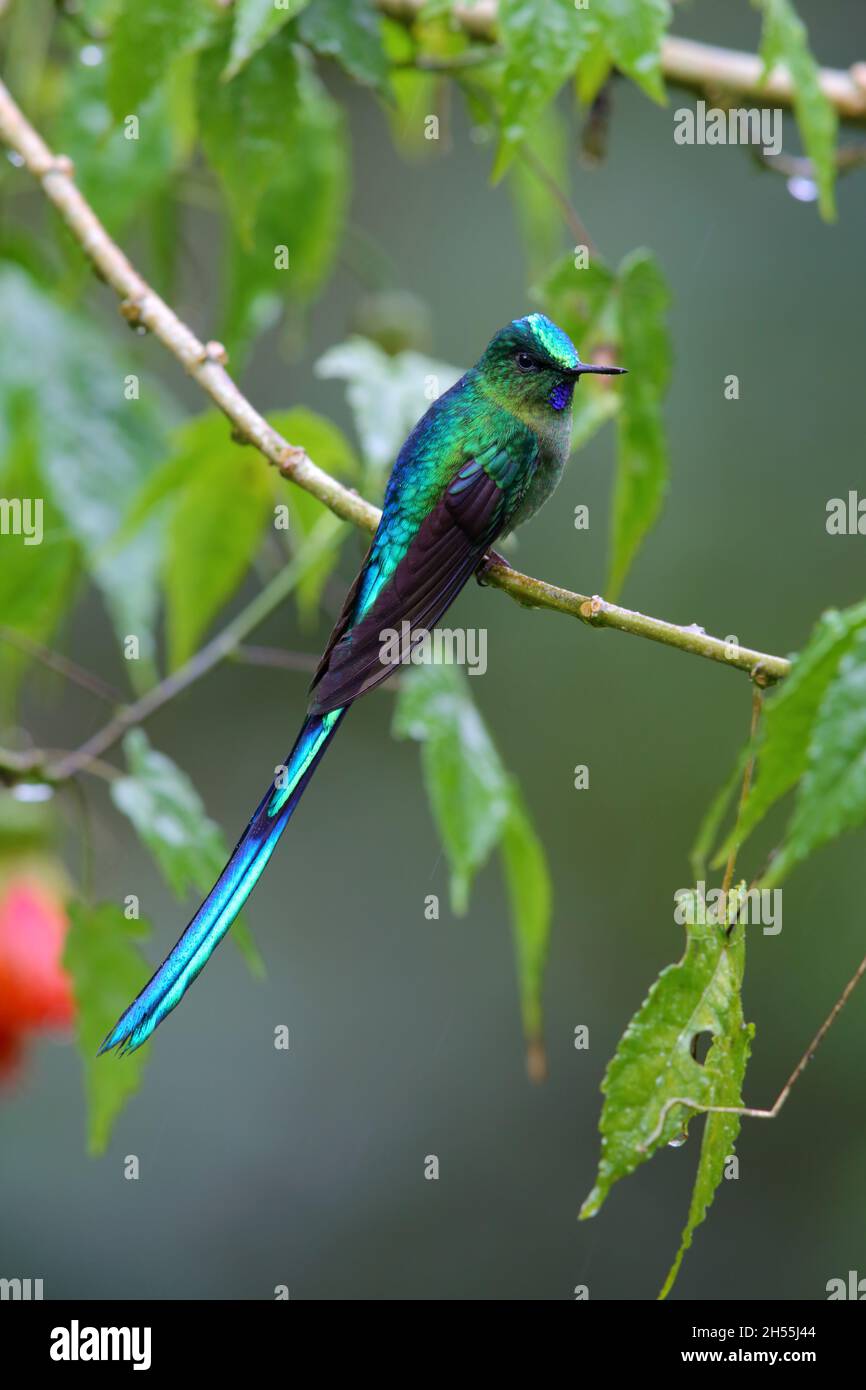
[445, 550]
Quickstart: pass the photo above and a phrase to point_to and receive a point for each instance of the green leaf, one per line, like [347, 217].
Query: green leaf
[215, 530]
[387, 395]
[642, 461]
[466, 783]
[538, 215]
[581, 299]
[730, 1055]
[530, 894]
[709, 826]
[256, 21]
[119, 174]
[248, 126]
[351, 32]
[653, 1063]
[38, 564]
[633, 32]
[593, 70]
[169, 816]
[543, 41]
[95, 447]
[790, 713]
[146, 36]
[328, 447]
[476, 806]
[785, 41]
[831, 797]
[107, 968]
[299, 219]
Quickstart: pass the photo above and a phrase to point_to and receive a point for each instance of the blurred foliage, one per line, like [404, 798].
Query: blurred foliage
[477, 806]
[235, 111]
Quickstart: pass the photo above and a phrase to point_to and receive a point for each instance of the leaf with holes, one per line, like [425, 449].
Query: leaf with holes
[654, 1064]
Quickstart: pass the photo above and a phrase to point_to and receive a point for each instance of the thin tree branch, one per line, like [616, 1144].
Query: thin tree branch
[226, 641]
[701, 66]
[141, 306]
[63, 665]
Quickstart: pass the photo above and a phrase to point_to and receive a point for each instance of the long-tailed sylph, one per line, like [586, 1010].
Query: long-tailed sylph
[483, 459]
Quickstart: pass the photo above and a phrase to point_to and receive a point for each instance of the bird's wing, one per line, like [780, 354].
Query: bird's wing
[441, 555]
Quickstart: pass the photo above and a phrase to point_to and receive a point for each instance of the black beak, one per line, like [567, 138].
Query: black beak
[587, 368]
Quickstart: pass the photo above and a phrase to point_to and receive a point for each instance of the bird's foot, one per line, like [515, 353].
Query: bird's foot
[490, 559]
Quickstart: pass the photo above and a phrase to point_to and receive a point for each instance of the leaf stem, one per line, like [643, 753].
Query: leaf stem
[757, 705]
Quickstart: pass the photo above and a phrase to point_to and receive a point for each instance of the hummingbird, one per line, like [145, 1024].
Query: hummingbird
[481, 460]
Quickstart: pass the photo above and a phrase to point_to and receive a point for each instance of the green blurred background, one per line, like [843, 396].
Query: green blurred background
[305, 1168]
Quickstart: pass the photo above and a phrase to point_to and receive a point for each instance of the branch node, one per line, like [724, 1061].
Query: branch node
[215, 352]
[130, 311]
[289, 458]
[761, 676]
[54, 164]
[592, 608]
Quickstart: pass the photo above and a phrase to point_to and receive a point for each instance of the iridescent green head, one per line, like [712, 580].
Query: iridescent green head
[532, 364]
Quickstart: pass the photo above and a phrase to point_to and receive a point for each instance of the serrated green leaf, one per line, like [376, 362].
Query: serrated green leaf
[387, 395]
[593, 70]
[653, 1063]
[255, 22]
[476, 806]
[107, 968]
[215, 528]
[642, 461]
[633, 32]
[169, 816]
[349, 31]
[730, 1056]
[538, 215]
[37, 570]
[95, 446]
[145, 38]
[785, 41]
[580, 298]
[118, 169]
[790, 713]
[831, 797]
[543, 42]
[466, 783]
[248, 125]
[299, 220]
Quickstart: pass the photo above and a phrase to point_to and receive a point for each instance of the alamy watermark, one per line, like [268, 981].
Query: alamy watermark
[444, 646]
[695, 907]
[738, 125]
[22, 516]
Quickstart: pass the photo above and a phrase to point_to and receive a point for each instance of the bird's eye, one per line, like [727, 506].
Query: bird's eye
[525, 362]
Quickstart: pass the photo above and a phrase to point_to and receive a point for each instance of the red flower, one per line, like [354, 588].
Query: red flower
[35, 991]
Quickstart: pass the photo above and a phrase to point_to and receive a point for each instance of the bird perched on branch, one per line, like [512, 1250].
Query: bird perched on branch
[485, 456]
